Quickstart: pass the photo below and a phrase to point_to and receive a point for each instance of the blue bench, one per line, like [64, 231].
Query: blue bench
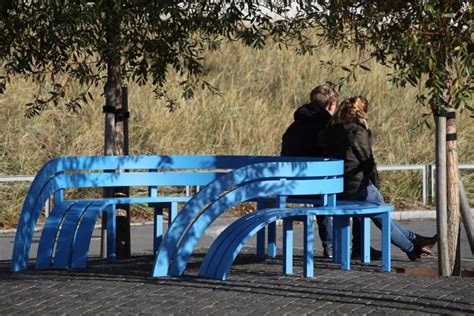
[225, 248]
[69, 228]
[260, 180]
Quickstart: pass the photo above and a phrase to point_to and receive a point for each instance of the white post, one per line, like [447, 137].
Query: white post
[441, 196]
[47, 207]
[425, 194]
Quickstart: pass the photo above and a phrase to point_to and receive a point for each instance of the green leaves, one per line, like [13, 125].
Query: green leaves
[424, 42]
[73, 41]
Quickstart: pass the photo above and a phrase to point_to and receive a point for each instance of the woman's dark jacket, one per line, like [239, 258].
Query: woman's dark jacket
[351, 142]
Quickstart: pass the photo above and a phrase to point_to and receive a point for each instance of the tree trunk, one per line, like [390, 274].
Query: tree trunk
[119, 142]
[441, 207]
[114, 143]
[453, 188]
[113, 134]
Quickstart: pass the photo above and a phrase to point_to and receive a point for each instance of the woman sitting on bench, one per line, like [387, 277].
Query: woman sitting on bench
[349, 138]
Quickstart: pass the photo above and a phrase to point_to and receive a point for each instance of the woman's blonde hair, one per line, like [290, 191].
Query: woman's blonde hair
[353, 110]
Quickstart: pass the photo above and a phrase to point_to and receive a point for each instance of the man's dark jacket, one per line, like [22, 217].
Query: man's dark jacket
[301, 138]
[351, 142]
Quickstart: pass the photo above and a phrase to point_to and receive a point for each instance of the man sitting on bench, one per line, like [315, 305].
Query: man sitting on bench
[301, 139]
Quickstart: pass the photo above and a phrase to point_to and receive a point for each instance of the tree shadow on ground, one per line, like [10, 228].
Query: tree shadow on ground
[364, 284]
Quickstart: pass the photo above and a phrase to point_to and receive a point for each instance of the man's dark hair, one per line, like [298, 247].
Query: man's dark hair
[323, 95]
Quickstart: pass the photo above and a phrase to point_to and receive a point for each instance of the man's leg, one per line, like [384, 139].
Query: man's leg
[325, 233]
[356, 233]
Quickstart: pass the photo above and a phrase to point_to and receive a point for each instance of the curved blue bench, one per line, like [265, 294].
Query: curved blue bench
[319, 176]
[71, 222]
[68, 230]
[225, 248]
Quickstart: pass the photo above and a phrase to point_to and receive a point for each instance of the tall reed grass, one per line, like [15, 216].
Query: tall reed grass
[261, 90]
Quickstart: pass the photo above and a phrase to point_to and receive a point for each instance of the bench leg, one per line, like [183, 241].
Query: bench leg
[365, 239]
[261, 235]
[336, 239]
[272, 247]
[288, 246]
[111, 233]
[157, 228]
[308, 246]
[386, 236]
[345, 243]
[173, 211]
[261, 243]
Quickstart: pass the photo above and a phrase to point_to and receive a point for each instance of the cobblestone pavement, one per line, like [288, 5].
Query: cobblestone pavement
[253, 287]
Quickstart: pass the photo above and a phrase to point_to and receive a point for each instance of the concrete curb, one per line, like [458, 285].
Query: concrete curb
[413, 215]
[398, 216]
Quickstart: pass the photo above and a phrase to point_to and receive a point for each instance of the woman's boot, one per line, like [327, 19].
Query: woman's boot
[424, 244]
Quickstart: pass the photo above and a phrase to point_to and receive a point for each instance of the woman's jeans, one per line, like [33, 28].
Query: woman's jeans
[401, 237]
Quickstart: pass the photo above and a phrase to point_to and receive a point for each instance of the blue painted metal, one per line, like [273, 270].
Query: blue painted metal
[53, 178]
[308, 245]
[222, 253]
[157, 228]
[272, 242]
[39, 193]
[266, 176]
[232, 179]
[229, 243]
[211, 261]
[386, 237]
[111, 222]
[272, 246]
[67, 235]
[172, 211]
[345, 235]
[84, 232]
[260, 251]
[48, 235]
[226, 255]
[132, 179]
[335, 240]
[288, 246]
[242, 194]
[365, 239]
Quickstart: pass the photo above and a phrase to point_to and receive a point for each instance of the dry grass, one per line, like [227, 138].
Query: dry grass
[261, 91]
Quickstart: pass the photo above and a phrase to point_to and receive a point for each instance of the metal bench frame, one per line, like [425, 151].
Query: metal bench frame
[106, 171]
[68, 230]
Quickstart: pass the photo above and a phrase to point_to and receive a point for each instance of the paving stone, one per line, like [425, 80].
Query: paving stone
[253, 287]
